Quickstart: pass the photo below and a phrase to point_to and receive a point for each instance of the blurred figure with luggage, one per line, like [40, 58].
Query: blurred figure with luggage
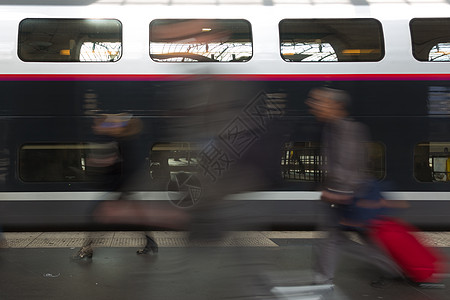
[343, 146]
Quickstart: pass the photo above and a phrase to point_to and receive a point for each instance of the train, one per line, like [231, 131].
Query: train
[211, 85]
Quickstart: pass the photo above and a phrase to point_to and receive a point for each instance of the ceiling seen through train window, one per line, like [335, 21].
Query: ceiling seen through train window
[200, 40]
[325, 40]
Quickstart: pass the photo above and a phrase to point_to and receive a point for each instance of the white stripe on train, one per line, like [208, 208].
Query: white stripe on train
[251, 196]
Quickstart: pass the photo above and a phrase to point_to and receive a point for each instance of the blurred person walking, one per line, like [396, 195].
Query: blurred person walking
[344, 150]
[123, 156]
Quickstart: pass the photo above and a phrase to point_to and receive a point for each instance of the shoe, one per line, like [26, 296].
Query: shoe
[151, 246]
[84, 252]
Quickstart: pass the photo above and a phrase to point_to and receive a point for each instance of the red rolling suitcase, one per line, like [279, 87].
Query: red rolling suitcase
[419, 262]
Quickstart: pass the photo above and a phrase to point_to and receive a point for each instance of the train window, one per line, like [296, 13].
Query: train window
[303, 161]
[200, 40]
[166, 159]
[70, 40]
[430, 39]
[324, 40]
[174, 166]
[69, 162]
[376, 163]
[432, 162]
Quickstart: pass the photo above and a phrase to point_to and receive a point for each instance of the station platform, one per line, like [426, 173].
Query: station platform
[242, 265]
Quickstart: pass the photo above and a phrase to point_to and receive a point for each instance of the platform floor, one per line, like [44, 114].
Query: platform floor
[244, 265]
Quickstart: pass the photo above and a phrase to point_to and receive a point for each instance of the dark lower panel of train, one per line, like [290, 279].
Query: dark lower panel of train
[234, 215]
[408, 119]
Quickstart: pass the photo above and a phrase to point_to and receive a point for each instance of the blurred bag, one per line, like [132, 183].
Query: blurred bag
[420, 263]
[141, 213]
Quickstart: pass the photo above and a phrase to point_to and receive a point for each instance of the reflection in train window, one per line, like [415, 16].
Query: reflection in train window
[4, 165]
[70, 40]
[96, 162]
[322, 40]
[431, 39]
[376, 162]
[200, 40]
[432, 162]
[440, 52]
[303, 161]
[174, 166]
[169, 158]
[438, 101]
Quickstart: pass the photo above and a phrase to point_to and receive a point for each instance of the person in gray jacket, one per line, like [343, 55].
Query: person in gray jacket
[344, 149]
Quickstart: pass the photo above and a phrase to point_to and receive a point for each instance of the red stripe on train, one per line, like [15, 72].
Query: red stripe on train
[227, 77]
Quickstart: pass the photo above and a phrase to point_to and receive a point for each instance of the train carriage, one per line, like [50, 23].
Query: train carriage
[194, 74]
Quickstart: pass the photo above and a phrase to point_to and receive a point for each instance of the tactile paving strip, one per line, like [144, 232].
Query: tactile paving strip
[130, 242]
[174, 239]
[129, 239]
[434, 239]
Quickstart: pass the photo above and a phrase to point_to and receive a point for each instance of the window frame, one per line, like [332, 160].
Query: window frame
[413, 47]
[419, 165]
[380, 31]
[27, 60]
[293, 154]
[248, 23]
[88, 173]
